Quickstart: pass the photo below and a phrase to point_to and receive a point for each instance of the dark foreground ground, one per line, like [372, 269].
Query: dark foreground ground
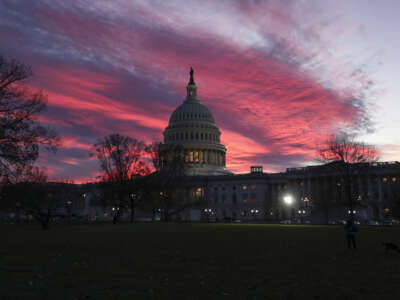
[196, 261]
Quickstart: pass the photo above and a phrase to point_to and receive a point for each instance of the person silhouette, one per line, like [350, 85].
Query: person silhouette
[351, 229]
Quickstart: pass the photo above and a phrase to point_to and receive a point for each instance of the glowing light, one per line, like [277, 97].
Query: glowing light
[288, 199]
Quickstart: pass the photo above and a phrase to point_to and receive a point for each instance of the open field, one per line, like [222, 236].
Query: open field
[196, 261]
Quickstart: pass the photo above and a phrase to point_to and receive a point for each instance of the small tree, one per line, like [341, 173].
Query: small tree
[347, 157]
[121, 161]
[20, 133]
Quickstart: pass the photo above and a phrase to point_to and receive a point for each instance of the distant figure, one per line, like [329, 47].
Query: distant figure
[351, 229]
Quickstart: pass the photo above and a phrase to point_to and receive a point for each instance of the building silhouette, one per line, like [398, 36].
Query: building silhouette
[317, 193]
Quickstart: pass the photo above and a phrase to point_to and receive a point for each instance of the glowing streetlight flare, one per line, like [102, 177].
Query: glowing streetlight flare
[288, 199]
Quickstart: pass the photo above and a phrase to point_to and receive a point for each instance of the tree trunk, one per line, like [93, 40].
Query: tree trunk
[166, 216]
[132, 211]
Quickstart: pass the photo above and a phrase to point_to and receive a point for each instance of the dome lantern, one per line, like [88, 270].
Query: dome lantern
[191, 88]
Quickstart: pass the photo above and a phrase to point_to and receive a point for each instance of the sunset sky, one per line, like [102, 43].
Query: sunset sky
[278, 76]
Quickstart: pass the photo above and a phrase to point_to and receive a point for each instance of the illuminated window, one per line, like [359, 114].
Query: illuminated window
[199, 192]
[244, 187]
[253, 187]
[201, 156]
[196, 156]
[191, 156]
[394, 179]
[359, 198]
[384, 179]
[338, 184]
[386, 210]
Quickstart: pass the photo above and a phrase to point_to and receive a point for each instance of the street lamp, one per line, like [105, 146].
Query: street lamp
[288, 200]
[69, 205]
[254, 213]
[208, 212]
[302, 214]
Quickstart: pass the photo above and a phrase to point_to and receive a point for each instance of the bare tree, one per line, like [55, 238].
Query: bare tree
[32, 196]
[121, 160]
[347, 157]
[20, 133]
[174, 194]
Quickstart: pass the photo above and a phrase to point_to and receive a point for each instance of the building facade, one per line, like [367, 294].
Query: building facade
[316, 193]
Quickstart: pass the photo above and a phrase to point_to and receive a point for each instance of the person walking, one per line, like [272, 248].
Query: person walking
[351, 229]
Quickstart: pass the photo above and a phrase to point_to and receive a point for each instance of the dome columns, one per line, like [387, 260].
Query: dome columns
[205, 157]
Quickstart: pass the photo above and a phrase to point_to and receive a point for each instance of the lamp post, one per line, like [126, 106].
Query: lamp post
[254, 213]
[69, 206]
[288, 200]
[302, 214]
[115, 214]
[163, 212]
[208, 212]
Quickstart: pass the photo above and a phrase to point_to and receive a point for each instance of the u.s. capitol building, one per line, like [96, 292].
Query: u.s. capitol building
[316, 193]
[313, 194]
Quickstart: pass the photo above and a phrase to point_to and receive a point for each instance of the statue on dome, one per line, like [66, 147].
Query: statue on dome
[191, 76]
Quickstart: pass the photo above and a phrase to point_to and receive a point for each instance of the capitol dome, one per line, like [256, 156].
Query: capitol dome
[192, 126]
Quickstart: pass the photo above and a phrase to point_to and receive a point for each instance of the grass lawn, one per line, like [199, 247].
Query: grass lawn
[196, 261]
